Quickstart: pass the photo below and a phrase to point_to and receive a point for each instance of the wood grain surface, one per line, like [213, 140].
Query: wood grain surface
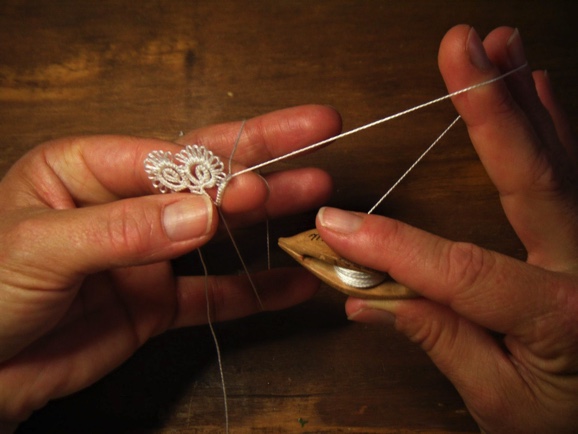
[157, 68]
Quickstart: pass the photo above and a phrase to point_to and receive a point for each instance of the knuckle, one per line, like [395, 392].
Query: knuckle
[504, 108]
[427, 335]
[467, 266]
[128, 230]
[384, 234]
[216, 290]
[548, 176]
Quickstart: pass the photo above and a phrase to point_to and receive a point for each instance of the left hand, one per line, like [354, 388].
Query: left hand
[85, 277]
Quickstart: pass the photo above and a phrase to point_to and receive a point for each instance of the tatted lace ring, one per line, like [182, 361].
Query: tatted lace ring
[195, 168]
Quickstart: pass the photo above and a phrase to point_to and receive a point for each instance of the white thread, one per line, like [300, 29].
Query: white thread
[216, 341]
[208, 169]
[235, 145]
[369, 279]
[225, 182]
[359, 279]
[245, 268]
[380, 121]
[395, 184]
[198, 170]
[217, 202]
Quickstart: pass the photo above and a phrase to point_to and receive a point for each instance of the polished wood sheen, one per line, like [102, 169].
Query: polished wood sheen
[157, 68]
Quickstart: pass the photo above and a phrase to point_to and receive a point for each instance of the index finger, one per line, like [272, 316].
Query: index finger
[80, 171]
[91, 170]
[516, 140]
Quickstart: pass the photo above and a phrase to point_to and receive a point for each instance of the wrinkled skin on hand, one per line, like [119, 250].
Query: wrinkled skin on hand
[85, 277]
[525, 380]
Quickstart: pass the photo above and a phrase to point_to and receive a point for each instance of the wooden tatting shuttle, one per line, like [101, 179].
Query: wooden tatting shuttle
[309, 250]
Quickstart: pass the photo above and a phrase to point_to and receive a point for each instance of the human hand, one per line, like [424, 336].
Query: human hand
[85, 277]
[525, 380]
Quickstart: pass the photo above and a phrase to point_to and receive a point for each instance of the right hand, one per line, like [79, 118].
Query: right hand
[504, 331]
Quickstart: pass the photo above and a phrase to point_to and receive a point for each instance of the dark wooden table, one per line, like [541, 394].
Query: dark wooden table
[156, 68]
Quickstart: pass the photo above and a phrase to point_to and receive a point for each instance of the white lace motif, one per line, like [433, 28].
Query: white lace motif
[194, 168]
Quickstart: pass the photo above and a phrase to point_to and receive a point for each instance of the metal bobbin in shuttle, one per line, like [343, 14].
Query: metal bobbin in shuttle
[309, 250]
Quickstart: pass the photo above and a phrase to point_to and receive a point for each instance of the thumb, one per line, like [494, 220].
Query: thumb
[75, 242]
[45, 254]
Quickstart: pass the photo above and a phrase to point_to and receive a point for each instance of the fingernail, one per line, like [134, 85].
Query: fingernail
[373, 316]
[476, 51]
[516, 52]
[188, 218]
[337, 220]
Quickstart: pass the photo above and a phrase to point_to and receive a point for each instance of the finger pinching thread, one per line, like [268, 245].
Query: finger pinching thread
[197, 169]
